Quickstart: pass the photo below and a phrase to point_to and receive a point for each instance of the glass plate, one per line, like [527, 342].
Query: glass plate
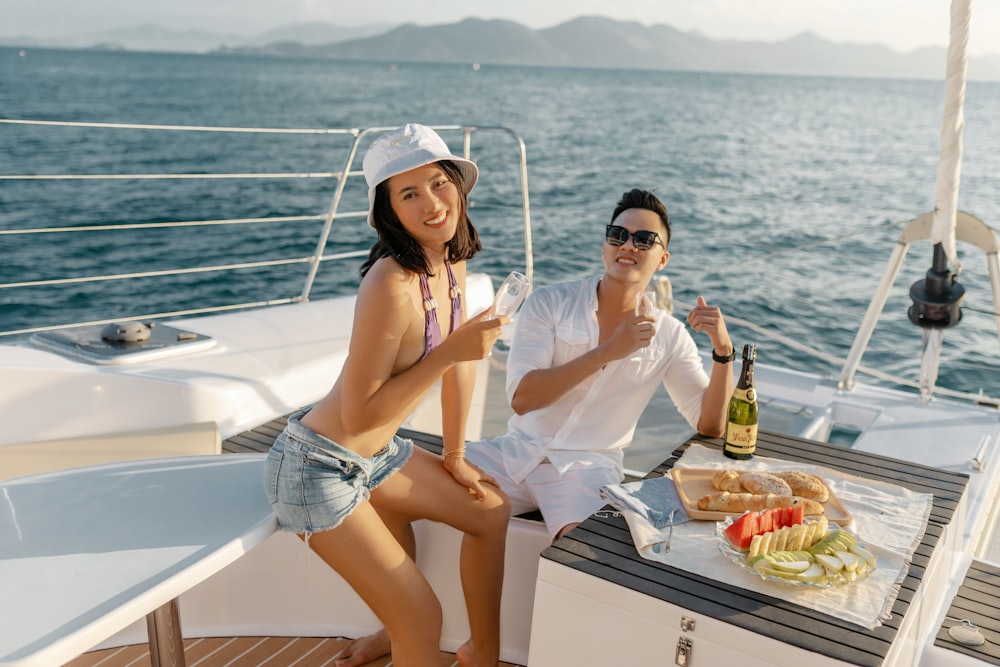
[740, 558]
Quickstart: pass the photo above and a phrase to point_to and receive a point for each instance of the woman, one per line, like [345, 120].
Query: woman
[332, 477]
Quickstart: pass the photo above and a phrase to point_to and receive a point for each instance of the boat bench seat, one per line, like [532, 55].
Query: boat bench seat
[21, 459]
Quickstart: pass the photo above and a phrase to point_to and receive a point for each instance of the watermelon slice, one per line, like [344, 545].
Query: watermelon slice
[741, 531]
[796, 515]
[767, 521]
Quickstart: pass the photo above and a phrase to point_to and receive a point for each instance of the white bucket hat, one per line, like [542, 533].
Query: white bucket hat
[407, 148]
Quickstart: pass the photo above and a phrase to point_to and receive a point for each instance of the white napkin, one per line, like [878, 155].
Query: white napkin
[887, 518]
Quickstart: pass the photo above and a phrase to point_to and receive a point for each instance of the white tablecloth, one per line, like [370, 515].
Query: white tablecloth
[887, 518]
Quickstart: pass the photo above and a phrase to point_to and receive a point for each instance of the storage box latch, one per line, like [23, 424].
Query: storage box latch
[683, 655]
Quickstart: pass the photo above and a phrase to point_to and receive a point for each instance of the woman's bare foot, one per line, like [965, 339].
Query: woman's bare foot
[363, 650]
[467, 657]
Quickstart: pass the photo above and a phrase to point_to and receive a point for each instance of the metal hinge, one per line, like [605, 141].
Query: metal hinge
[683, 655]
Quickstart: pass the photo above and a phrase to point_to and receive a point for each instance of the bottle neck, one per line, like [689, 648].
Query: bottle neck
[746, 374]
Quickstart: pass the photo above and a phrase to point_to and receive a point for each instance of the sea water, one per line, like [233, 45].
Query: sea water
[786, 193]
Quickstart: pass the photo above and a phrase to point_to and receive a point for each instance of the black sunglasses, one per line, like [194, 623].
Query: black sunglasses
[617, 235]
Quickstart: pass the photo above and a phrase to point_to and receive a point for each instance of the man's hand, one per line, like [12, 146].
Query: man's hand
[633, 334]
[708, 319]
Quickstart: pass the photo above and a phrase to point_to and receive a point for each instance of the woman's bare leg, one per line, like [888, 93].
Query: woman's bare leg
[371, 647]
[366, 554]
[484, 524]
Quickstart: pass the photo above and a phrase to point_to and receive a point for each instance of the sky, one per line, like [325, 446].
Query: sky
[903, 25]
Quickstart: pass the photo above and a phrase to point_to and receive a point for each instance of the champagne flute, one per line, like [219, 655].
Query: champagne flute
[645, 303]
[511, 294]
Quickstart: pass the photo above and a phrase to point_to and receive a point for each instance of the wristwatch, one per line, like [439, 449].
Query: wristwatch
[723, 360]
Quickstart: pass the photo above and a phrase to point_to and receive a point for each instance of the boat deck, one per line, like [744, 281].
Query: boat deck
[242, 652]
[977, 601]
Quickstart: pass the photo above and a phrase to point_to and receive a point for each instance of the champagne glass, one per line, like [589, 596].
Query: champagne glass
[645, 303]
[511, 294]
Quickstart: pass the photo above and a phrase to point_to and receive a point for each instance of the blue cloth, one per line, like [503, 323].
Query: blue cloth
[651, 508]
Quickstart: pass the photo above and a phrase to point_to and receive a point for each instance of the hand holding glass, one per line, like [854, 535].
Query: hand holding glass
[645, 303]
[510, 295]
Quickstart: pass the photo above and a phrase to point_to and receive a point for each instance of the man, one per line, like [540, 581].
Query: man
[582, 367]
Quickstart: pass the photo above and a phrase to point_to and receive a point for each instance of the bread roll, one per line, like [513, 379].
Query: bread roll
[727, 480]
[764, 482]
[735, 503]
[805, 485]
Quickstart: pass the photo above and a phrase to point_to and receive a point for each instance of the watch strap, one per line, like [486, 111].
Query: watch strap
[723, 360]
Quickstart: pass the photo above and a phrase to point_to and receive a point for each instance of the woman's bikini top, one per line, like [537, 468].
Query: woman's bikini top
[432, 329]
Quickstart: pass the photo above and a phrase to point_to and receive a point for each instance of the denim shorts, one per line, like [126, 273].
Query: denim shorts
[313, 483]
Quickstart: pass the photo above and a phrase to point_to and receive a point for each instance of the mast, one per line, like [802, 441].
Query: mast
[937, 298]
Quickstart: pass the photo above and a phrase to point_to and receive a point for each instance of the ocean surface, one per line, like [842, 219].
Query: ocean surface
[786, 194]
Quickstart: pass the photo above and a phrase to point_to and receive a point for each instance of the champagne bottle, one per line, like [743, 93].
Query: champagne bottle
[741, 430]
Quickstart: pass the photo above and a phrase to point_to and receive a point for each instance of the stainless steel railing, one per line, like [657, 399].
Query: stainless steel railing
[311, 262]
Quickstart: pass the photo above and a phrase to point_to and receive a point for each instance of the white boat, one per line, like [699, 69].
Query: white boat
[114, 430]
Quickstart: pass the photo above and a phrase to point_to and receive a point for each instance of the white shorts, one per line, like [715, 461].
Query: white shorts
[563, 500]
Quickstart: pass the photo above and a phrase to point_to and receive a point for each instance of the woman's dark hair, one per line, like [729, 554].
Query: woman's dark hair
[394, 241]
[645, 199]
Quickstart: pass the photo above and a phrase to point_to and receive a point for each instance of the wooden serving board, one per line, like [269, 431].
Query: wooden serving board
[694, 483]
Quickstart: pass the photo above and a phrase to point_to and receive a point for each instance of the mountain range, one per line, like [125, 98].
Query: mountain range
[581, 42]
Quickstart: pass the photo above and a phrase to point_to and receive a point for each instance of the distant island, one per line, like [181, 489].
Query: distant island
[582, 42]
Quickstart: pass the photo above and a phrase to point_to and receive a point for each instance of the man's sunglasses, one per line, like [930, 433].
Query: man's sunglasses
[617, 235]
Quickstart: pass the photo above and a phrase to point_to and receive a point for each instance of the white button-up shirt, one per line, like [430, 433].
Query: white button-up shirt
[594, 421]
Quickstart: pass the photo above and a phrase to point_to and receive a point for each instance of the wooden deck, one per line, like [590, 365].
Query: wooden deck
[978, 601]
[241, 652]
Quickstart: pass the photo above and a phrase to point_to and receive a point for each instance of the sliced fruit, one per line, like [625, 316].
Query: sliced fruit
[795, 515]
[865, 555]
[794, 566]
[812, 574]
[782, 536]
[845, 538]
[741, 531]
[835, 540]
[775, 572]
[850, 560]
[830, 563]
[765, 543]
[796, 537]
[766, 522]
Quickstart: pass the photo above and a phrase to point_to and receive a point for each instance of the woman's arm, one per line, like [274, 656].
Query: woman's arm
[372, 395]
[457, 387]
[456, 390]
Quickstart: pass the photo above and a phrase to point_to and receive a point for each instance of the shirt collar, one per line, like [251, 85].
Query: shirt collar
[594, 282]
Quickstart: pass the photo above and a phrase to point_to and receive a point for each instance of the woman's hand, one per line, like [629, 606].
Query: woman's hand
[468, 475]
[474, 339]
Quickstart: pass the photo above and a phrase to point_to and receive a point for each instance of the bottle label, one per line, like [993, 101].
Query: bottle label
[741, 438]
[748, 394]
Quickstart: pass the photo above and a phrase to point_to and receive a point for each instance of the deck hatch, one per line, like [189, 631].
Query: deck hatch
[87, 344]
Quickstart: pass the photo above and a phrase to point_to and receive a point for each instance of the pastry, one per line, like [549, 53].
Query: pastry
[764, 482]
[734, 503]
[727, 480]
[805, 485]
